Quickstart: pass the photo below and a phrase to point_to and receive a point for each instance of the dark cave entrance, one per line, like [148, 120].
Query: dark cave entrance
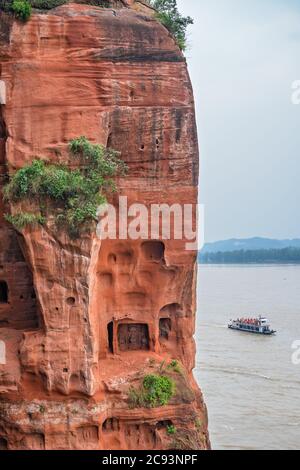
[3, 444]
[111, 424]
[110, 336]
[153, 250]
[3, 292]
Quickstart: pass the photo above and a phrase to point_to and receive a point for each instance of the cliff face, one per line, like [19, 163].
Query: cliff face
[85, 320]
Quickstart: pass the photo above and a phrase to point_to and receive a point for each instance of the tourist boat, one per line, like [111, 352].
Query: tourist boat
[260, 325]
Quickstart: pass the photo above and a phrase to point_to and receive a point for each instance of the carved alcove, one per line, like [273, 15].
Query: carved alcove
[133, 337]
[33, 441]
[111, 436]
[111, 425]
[85, 438]
[140, 436]
[169, 326]
[153, 250]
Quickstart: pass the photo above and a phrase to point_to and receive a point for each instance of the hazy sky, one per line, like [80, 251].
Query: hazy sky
[243, 57]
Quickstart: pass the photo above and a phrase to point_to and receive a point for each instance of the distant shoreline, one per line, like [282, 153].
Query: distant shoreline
[252, 263]
[289, 255]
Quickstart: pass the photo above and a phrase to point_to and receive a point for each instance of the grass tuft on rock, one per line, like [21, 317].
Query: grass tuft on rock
[70, 196]
[23, 219]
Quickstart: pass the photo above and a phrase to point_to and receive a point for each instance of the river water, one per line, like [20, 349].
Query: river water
[250, 384]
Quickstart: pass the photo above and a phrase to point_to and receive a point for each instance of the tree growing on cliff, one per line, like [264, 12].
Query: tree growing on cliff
[21, 9]
[171, 18]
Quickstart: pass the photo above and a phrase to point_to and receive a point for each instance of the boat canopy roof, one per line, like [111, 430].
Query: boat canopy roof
[257, 320]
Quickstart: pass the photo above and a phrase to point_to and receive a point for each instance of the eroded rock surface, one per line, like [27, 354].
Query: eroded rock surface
[85, 320]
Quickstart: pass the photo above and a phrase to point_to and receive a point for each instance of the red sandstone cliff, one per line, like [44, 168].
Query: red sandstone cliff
[67, 307]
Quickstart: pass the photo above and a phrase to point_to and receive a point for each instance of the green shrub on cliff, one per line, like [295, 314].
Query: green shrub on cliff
[49, 4]
[46, 4]
[21, 9]
[23, 219]
[169, 16]
[171, 430]
[156, 390]
[159, 389]
[70, 196]
[7, 5]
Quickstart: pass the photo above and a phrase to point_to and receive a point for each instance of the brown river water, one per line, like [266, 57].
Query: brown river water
[250, 383]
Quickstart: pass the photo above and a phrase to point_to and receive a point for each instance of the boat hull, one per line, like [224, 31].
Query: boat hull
[244, 330]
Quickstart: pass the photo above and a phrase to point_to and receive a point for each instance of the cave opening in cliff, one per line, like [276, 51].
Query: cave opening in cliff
[3, 444]
[3, 292]
[109, 140]
[111, 424]
[3, 137]
[172, 310]
[153, 250]
[133, 336]
[2, 128]
[110, 334]
[164, 328]
[164, 424]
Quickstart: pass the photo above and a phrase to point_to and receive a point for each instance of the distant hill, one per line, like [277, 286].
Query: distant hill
[252, 244]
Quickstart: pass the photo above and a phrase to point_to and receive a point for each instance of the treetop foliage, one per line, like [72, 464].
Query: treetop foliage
[171, 18]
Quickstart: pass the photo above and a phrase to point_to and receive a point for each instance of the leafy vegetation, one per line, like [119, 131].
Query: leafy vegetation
[273, 255]
[71, 196]
[159, 389]
[175, 366]
[21, 220]
[198, 424]
[46, 4]
[169, 16]
[156, 390]
[21, 9]
[49, 4]
[171, 429]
